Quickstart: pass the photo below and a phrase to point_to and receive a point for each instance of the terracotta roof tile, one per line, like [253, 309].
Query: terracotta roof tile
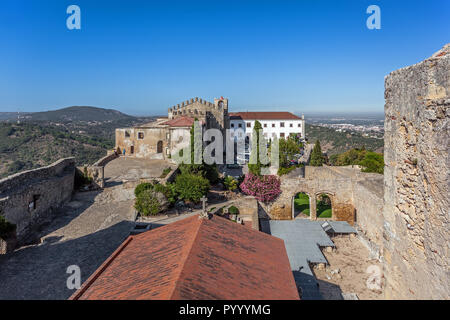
[195, 259]
[180, 122]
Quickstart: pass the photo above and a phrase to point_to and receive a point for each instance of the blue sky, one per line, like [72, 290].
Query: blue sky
[141, 57]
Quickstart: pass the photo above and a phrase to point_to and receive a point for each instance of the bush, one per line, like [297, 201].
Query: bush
[230, 183]
[191, 187]
[167, 190]
[265, 188]
[208, 171]
[141, 187]
[6, 228]
[147, 203]
[373, 162]
[233, 210]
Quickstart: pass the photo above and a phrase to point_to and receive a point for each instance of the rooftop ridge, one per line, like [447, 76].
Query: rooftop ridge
[186, 258]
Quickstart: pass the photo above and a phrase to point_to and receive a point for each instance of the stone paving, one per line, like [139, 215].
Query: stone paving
[130, 168]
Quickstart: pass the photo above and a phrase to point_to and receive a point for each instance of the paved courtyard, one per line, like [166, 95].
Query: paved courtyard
[130, 168]
[84, 233]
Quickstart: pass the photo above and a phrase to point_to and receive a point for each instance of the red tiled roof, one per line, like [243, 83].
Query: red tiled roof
[195, 259]
[264, 115]
[180, 122]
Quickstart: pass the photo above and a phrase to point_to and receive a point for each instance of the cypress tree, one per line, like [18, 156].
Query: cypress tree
[316, 155]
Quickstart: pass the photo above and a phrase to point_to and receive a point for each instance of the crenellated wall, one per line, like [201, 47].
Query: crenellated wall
[214, 114]
[29, 198]
[416, 195]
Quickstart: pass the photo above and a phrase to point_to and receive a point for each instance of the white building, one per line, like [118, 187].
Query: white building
[279, 124]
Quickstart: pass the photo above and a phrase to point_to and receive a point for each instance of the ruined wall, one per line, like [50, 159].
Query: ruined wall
[29, 198]
[416, 195]
[142, 142]
[356, 197]
[368, 201]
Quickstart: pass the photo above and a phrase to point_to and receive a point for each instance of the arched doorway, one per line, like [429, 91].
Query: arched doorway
[301, 205]
[159, 147]
[324, 207]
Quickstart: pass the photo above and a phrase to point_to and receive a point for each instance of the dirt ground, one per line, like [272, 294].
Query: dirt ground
[347, 271]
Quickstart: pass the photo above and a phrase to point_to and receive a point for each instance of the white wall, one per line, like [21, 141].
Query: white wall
[298, 126]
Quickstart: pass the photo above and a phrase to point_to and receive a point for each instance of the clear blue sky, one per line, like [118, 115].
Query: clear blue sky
[141, 57]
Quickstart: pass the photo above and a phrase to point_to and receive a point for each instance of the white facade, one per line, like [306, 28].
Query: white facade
[281, 128]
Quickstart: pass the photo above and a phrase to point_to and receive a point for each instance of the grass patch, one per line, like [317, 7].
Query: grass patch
[301, 203]
[323, 210]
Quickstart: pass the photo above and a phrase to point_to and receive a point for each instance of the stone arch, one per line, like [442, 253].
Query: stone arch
[311, 200]
[332, 196]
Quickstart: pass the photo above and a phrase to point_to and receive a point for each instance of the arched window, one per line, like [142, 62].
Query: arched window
[159, 147]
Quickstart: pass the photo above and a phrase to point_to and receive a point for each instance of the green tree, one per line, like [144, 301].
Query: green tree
[316, 155]
[258, 155]
[372, 162]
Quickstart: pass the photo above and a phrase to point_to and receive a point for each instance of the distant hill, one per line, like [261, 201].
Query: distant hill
[41, 138]
[79, 113]
[335, 142]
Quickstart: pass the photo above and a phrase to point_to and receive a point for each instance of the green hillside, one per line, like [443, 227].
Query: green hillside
[76, 113]
[335, 142]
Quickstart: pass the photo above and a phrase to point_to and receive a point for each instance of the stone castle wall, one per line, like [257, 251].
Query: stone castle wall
[214, 114]
[356, 197]
[416, 195]
[27, 199]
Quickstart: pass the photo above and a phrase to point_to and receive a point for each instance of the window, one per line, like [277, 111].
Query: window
[281, 134]
[131, 149]
[265, 125]
[273, 125]
[299, 125]
[282, 124]
[291, 125]
[249, 125]
[140, 135]
[240, 125]
[127, 134]
[232, 125]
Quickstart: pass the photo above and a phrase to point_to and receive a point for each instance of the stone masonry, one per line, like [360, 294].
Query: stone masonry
[29, 198]
[416, 194]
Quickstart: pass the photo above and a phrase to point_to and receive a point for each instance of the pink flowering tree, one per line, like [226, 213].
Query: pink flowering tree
[265, 188]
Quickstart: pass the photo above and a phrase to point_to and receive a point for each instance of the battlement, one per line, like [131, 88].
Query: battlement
[198, 106]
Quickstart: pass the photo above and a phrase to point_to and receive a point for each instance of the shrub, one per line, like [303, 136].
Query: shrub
[208, 171]
[265, 188]
[141, 187]
[6, 227]
[233, 210]
[191, 187]
[147, 203]
[372, 162]
[230, 183]
[167, 190]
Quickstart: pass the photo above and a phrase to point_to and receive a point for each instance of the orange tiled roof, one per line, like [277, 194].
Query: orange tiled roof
[264, 115]
[195, 259]
[180, 122]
